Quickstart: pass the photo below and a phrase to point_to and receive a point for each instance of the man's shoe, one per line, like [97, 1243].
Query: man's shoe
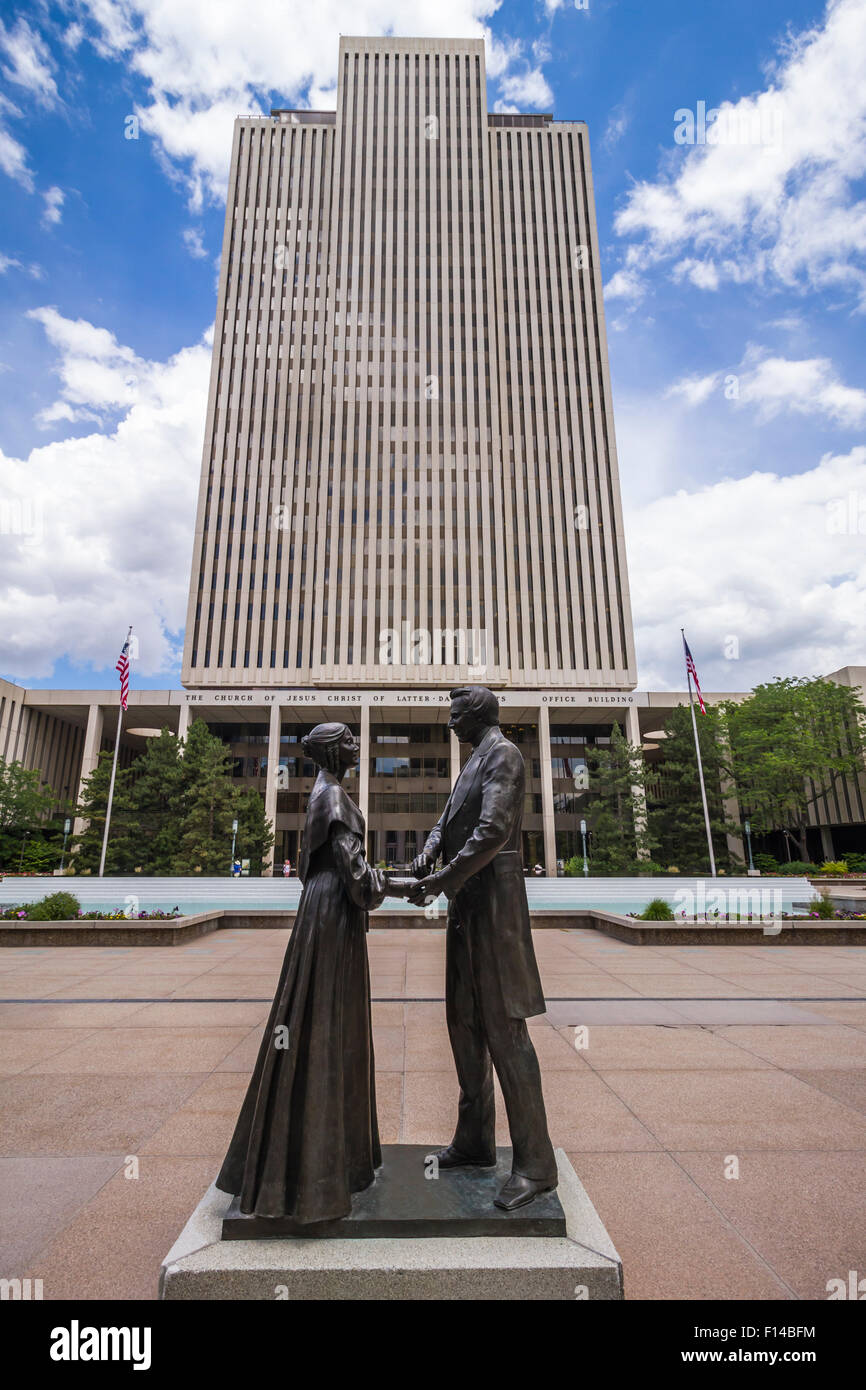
[518, 1191]
[453, 1158]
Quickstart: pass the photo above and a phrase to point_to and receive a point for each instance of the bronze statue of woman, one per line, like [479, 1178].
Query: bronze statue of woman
[307, 1136]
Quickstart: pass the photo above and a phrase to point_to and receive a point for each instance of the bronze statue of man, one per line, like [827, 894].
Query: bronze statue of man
[492, 983]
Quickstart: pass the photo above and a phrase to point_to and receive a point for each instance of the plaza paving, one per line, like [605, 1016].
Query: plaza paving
[692, 1057]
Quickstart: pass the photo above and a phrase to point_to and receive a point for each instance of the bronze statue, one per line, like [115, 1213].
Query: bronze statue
[492, 983]
[307, 1136]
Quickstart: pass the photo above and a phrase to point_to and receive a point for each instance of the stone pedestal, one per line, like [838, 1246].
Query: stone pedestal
[516, 1261]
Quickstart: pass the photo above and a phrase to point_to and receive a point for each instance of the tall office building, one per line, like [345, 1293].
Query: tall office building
[409, 468]
[409, 474]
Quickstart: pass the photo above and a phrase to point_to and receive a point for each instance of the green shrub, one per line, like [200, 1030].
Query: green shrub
[825, 907]
[767, 863]
[834, 866]
[657, 911]
[856, 863]
[55, 907]
[797, 866]
[572, 867]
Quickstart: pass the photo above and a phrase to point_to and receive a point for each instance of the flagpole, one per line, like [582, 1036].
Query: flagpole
[111, 784]
[700, 765]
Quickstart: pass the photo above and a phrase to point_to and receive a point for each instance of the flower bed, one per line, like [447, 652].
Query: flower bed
[24, 914]
[838, 915]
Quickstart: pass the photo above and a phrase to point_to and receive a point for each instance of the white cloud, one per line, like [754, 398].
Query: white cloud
[780, 204]
[98, 375]
[694, 389]
[197, 139]
[788, 323]
[776, 563]
[12, 263]
[207, 61]
[625, 284]
[617, 125]
[807, 387]
[13, 160]
[192, 240]
[499, 54]
[72, 37]
[30, 62]
[110, 515]
[54, 199]
[704, 274]
[810, 386]
[527, 88]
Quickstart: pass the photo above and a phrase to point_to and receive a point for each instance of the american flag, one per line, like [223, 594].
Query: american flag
[690, 668]
[123, 667]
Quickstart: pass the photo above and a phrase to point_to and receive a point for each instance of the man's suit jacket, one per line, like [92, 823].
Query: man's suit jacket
[478, 836]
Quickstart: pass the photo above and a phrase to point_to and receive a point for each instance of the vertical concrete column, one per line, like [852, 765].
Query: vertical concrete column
[364, 769]
[271, 781]
[632, 733]
[183, 720]
[827, 842]
[547, 818]
[90, 756]
[455, 756]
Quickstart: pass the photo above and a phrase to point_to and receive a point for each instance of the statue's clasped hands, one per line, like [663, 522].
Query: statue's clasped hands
[428, 887]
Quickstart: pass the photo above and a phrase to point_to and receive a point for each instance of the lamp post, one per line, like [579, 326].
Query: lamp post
[67, 826]
[583, 839]
[748, 830]
[234, 838]
[23, 847]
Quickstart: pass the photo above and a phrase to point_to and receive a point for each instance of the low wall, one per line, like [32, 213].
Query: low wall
[807, 931]
[120, 933]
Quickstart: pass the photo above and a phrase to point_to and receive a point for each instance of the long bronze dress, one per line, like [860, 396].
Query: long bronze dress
[307, 1136]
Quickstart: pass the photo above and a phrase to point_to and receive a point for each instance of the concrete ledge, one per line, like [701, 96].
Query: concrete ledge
[802, 932]
[583, 1264]
[177, 931]
[128, 932]
[806, 931]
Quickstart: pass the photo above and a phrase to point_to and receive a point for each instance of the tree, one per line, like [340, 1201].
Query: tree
[678, 815]
[255, 836]
[23, 799]
[617, 783]
[153, 802]
[26, 834]
[793, 741]
[173, 811]
[86, 846]
[40, 854]
[206, 805]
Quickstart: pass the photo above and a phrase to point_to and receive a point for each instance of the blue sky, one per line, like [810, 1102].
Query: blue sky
[735, 289]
